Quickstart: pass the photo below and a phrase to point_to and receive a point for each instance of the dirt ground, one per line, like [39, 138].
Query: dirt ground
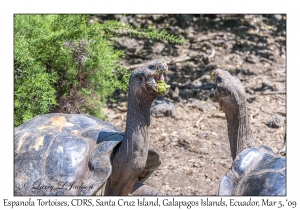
[193, 144]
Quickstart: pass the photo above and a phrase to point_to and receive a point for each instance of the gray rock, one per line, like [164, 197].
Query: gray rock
[162, 107]
[252, 59]
[276, 121]
[174, 94]
[204, 106]
[279, 86]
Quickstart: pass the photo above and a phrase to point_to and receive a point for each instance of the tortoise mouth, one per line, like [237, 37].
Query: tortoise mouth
[158, 85]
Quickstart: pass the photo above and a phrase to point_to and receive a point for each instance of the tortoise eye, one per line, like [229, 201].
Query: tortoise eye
[219, 80]
[152, 67]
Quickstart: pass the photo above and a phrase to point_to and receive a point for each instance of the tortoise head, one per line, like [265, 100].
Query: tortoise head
[229, 89]
[148, 79]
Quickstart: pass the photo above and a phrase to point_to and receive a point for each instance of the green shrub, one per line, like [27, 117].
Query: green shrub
[67, 63]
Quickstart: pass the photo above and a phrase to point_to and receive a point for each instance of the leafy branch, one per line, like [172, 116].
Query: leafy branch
[149, 33]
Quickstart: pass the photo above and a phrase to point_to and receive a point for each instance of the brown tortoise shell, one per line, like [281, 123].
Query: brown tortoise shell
[67, 154]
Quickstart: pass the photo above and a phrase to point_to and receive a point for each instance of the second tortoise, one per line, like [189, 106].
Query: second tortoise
[255, 171]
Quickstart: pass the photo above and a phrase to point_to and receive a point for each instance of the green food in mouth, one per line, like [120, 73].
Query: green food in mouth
[161, 87]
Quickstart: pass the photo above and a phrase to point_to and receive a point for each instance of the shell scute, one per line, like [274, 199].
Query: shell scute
[244, 161]
[67, 156]
[61, 148]
[256, 172]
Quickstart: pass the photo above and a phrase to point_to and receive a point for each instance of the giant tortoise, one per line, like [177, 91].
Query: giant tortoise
[77, 154]
[255, 171]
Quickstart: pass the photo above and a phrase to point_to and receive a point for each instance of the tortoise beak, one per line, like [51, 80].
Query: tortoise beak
[157, 82]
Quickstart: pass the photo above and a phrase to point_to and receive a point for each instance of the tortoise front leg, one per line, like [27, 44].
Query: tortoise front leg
[140, 189]
[153, 162]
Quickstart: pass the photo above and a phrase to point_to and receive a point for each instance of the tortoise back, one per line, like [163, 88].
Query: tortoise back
[256, 172]
[55, 154]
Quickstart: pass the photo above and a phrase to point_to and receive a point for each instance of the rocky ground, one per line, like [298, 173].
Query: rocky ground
[192, 136]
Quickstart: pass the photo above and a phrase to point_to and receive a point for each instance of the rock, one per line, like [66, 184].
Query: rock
[185, 143]
[158, 47]
[278, 86]
[251, 99]
[276, 121]
[162, 107]
[194, 103]
[196, 165]
[216, 143]
[208, 86]
[174, 94]
[205, 79]
[252, 59]
[197, 83]
[267, 85]
[204, 106]
[189, 173]
[225, 164]
[215, 162]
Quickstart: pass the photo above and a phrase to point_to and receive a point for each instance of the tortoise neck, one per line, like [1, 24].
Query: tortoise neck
[137, 123]
[239, 130]
[131, 156]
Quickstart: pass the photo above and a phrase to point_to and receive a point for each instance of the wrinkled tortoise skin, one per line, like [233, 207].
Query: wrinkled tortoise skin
[67, 154]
